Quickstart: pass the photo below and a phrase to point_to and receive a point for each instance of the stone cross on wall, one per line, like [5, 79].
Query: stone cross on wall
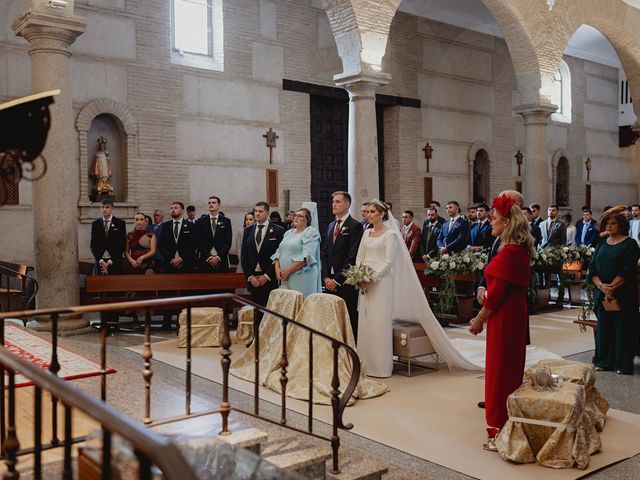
[271, 142]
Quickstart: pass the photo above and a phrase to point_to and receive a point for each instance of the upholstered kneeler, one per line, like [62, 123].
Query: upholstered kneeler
[206, 327]
[410, 341]
[245, 324]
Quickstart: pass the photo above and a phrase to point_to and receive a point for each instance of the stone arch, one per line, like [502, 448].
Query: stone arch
[474, 149]
[561, 163]
[617, 21]
[123, 115]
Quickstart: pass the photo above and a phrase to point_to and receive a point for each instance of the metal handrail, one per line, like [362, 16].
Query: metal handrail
[23, 279]
[339, 399]
[155, 446]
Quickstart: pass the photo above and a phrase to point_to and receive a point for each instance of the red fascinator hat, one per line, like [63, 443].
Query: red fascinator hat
[502, 204]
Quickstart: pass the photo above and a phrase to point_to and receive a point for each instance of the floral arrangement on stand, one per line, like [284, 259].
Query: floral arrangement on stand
[446, 267]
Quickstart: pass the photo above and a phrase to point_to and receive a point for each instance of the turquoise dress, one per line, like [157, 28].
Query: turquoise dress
[617, 332]
[299, 247]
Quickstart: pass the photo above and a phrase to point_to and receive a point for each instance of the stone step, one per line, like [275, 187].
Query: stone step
[355, 465]
[241, 436]
[299, 453]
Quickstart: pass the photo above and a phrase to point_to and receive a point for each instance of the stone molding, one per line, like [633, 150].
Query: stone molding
[85, 117]
[539, 114]
[49, 33]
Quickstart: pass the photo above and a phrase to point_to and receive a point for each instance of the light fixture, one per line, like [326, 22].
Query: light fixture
[551, 4]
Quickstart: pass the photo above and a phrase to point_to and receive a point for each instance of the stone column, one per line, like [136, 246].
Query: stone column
[536, 178]
[50, 32]
[363, 136]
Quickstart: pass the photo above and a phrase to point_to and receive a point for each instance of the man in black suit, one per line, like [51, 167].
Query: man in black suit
[535, 222]
[430, 233]
[480, 238]
[108, 239]
[214, 238]
[178, 242]
[341, 243]
[259, 242]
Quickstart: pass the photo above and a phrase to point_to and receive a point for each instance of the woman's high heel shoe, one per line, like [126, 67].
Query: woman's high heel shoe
[490, 444]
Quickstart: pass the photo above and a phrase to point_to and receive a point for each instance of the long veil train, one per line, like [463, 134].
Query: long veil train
[409, 303]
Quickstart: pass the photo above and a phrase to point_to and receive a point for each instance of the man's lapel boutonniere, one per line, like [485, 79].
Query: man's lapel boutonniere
[271, 230]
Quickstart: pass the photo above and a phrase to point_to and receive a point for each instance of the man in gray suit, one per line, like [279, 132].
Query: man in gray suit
[554, 232]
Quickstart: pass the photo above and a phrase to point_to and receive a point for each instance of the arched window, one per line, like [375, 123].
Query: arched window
[481, 176]
[562, 182]
[196, 33]
[560, 94]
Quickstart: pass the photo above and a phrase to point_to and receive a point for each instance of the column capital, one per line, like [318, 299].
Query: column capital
[536, 114]
[363, 84]
[44, 31]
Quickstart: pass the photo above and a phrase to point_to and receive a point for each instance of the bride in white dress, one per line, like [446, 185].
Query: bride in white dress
[377, 249]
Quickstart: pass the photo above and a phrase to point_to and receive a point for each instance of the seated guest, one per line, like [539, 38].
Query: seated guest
[260, 242]
[108, 238]
[454, 232]
[140, 248]
[247, 222]
[410, 234]
[587, 229]
[429, 238]
[297, 258]
[214, 238]
[480, 238]
[571, 230]
[178, 242]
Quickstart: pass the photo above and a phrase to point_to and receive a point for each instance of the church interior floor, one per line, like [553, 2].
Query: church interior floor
[622, 392]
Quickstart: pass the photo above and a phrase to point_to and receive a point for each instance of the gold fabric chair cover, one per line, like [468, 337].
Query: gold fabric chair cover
[582, 374]
[245, 325]
[285, 302]
[548, 426]
[327, 314]
[206, 327]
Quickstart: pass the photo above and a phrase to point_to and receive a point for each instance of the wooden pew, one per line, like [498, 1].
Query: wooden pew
[114, 288]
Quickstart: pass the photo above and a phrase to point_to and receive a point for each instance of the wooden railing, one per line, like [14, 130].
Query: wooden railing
[60, 391]
[18, 290]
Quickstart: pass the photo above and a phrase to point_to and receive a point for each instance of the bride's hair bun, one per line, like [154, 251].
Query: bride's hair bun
[381, 207]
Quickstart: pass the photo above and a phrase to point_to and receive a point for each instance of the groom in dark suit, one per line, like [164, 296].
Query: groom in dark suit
[259, 242]
[108, 239]
[214, 238]
[341, 243]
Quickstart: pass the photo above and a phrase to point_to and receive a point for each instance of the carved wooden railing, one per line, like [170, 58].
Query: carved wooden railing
[339, 399]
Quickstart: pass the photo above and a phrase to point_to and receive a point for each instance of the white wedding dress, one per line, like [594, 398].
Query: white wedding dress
[375, 334]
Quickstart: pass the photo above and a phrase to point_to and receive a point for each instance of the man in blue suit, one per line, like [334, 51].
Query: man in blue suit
[587, 229]
[455, 231]
[480, 238]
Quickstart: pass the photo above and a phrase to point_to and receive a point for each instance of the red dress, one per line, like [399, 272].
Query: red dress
[507, 276]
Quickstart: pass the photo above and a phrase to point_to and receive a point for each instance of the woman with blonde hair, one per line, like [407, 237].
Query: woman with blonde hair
[505, 311]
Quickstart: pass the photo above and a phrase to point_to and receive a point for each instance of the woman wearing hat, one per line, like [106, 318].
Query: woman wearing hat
[613, 270]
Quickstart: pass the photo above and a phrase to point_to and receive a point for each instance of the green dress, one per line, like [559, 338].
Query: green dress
[617, 332]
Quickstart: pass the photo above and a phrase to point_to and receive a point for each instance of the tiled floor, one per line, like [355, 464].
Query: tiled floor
[622, 392]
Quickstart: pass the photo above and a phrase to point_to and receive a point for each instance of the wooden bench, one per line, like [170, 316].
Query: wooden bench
[17, 288]
[114, 288]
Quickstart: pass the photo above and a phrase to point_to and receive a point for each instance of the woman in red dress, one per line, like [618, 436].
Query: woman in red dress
[505, 311]
[140, 249]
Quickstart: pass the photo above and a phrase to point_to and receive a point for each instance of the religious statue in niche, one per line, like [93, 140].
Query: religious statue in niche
[101, 169]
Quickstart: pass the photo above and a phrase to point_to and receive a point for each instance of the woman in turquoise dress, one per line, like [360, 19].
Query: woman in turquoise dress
[613, 271]
[297, 258]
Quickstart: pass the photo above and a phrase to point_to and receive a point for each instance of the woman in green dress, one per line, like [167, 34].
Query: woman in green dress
[613, 270]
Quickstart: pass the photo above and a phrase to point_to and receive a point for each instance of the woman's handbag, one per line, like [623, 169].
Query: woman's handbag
[612, 305]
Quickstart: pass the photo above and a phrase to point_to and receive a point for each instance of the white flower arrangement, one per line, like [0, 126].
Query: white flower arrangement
[463, 263]
[359, 275]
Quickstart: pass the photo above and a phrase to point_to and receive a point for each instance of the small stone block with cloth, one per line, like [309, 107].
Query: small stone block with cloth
[409, 342]
[206, 327]
[555, 425]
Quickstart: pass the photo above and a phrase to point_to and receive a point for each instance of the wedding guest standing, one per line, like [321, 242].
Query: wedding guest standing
[410, 234]
[554, 232]
[297, 259]
[429, 238]
[108, 239]
[504, 308]
[214, 238]
[613, 270]
[246, 222]
[341, 242]
[178, 242]
[587, 229]
[571, 230]
[140, 248]
[480, 238]
[455, 232]
[259, 243]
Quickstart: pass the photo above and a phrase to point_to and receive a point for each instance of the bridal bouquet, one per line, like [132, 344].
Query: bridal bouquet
[358, 275]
